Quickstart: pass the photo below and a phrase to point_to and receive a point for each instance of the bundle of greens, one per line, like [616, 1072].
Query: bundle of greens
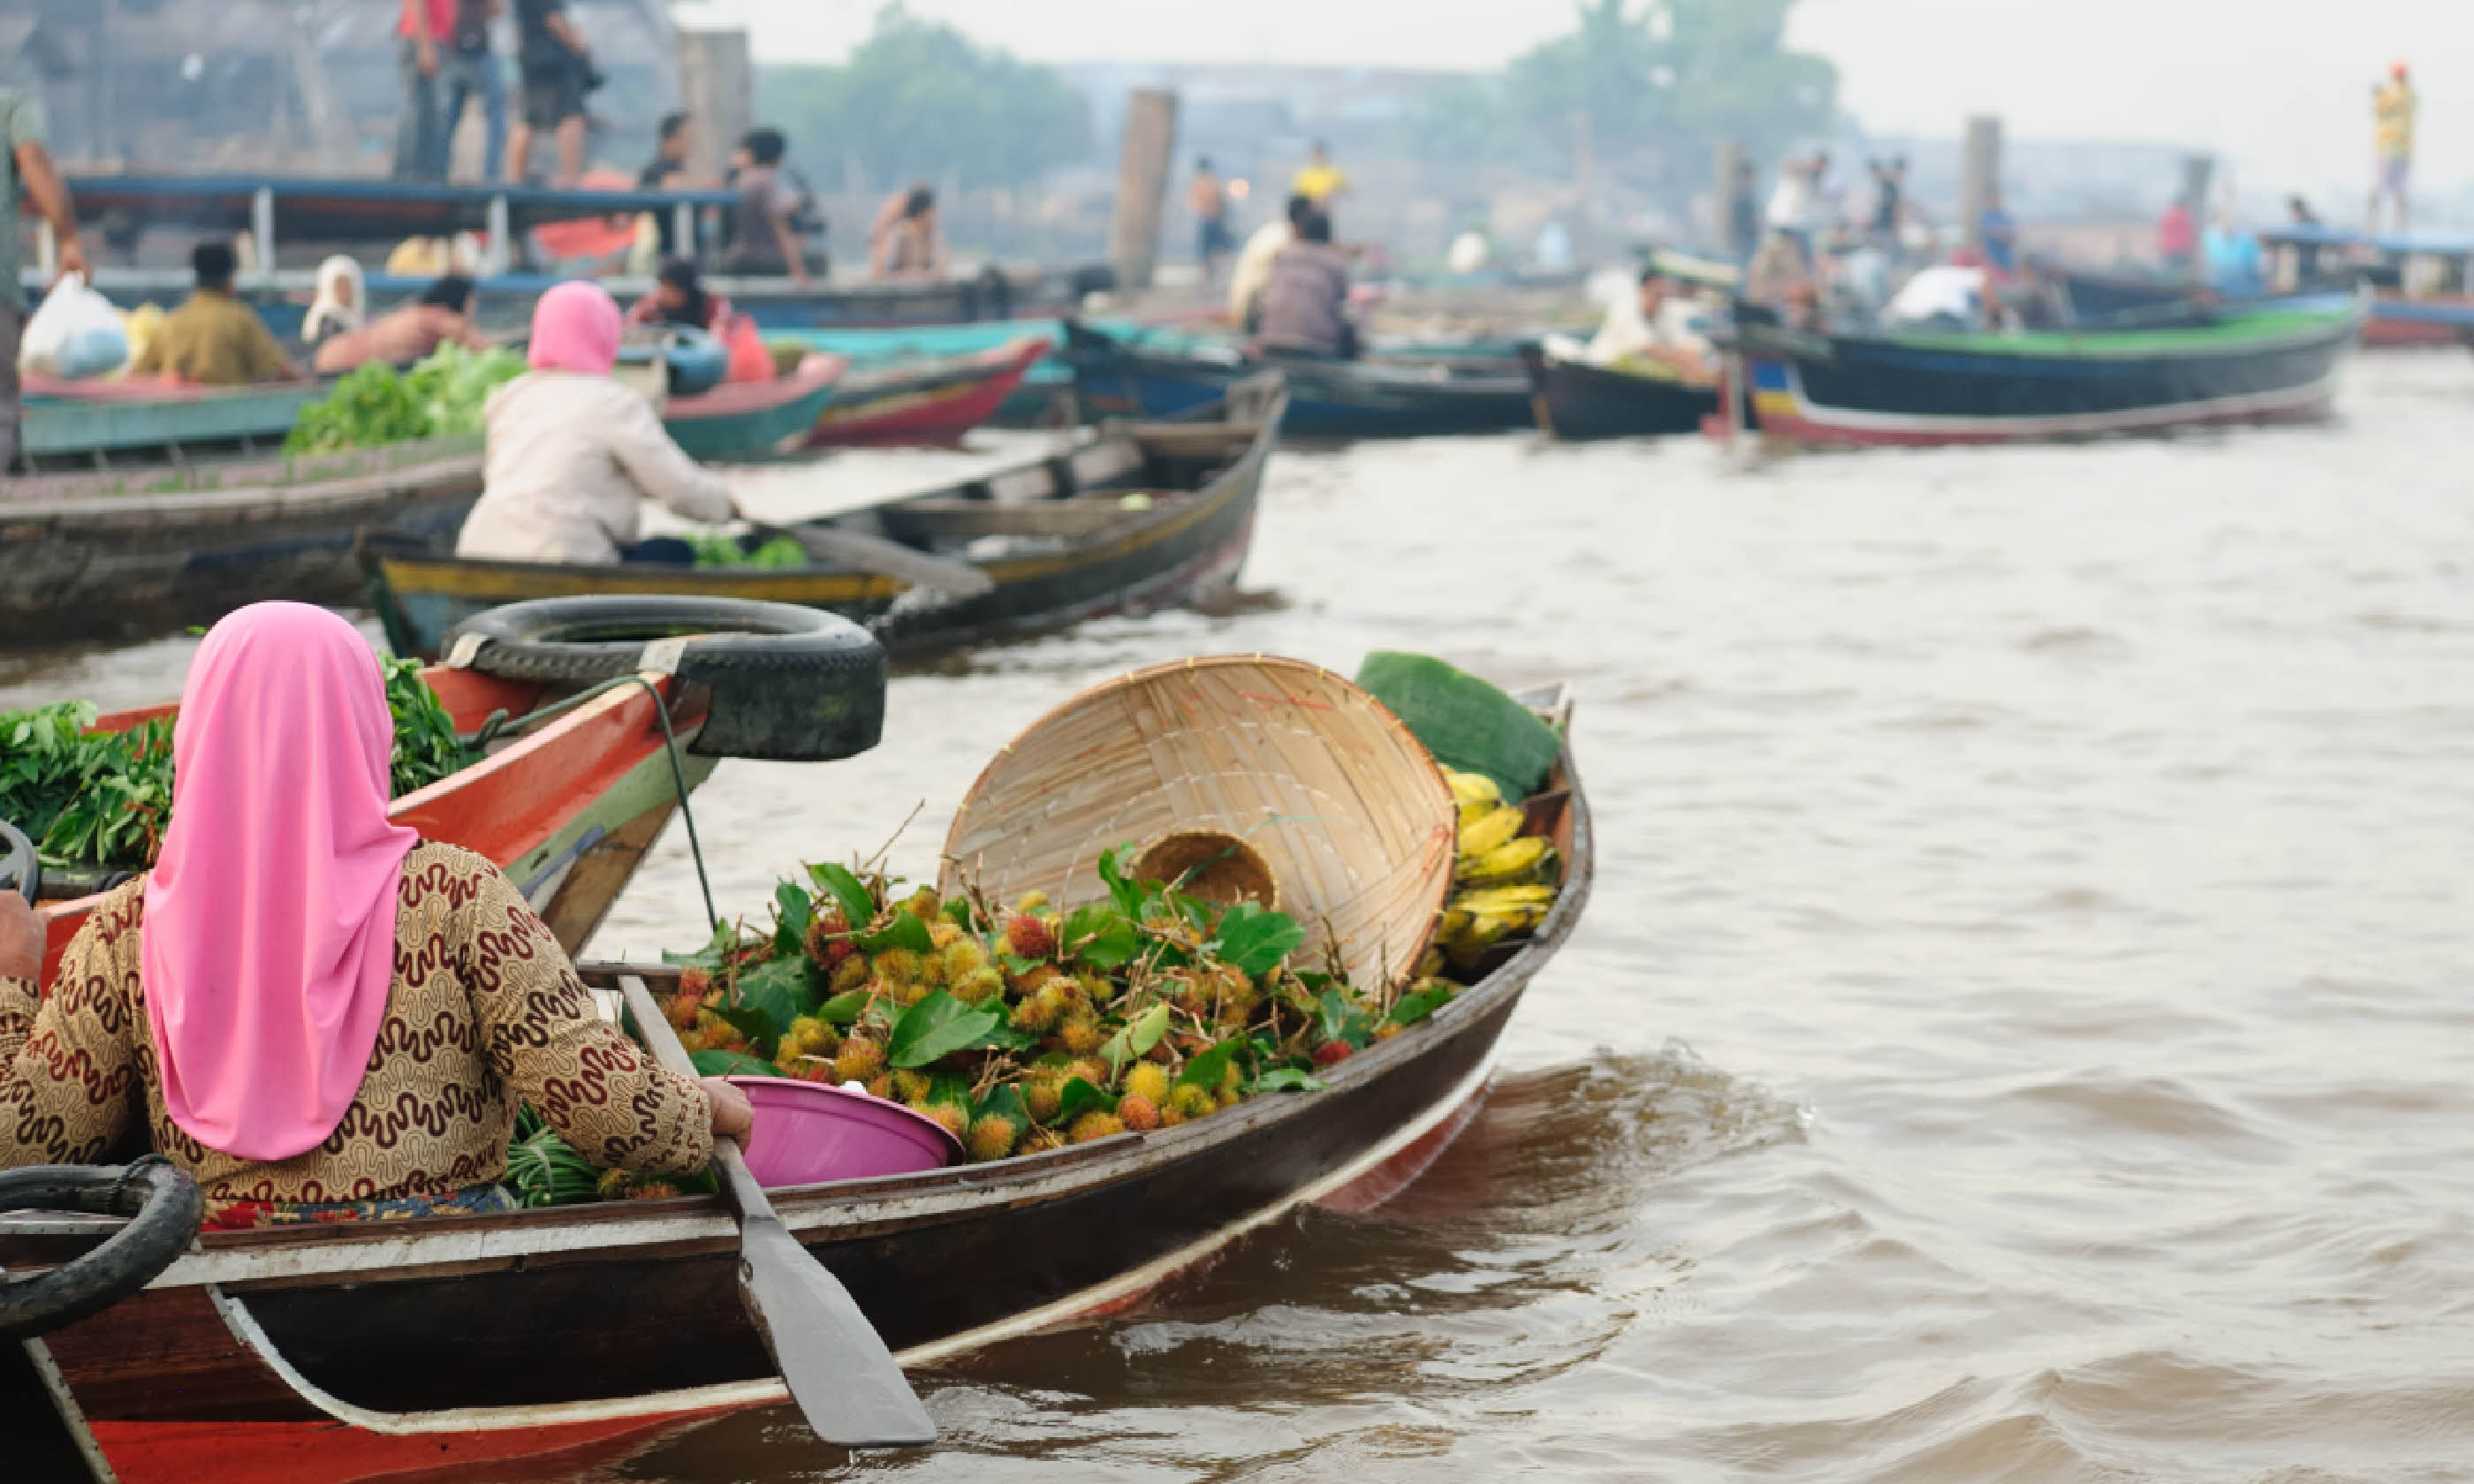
[443, 394]
[102, 799]
[714, 550]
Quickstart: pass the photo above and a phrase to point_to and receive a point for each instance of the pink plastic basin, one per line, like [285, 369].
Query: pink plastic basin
[808, 1133]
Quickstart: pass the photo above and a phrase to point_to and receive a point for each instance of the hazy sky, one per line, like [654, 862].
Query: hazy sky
[2280, 86]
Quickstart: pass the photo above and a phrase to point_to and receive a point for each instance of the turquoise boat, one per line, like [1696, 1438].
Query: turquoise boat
[756, 419]
[145, 420]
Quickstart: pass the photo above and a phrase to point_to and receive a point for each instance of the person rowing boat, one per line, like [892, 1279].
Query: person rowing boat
[317, 1014]
[569, 455]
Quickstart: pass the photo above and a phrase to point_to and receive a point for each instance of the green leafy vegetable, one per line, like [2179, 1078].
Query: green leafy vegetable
[442, 396]
[936, 1026]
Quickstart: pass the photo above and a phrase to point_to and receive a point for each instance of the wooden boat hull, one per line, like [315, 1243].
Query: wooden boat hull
[568, 812]
[1181, 551]
[929, 402]
[1931, 390]
[1374, 399]
[2399, 320]
[352, 1353]
[1575, 400]
[115, 557]
[93, 425]
[755, 420]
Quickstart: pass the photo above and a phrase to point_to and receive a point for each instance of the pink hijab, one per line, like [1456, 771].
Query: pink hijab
[575, 328]
[269, 942]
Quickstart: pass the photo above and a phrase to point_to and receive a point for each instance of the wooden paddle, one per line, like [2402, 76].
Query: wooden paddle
[839, 1372]
[875, 554]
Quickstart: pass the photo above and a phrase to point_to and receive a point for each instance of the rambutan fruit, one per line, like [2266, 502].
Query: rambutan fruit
[1041, 1140]
[860, 1060]
[1389, 1029]
[910, 1086]
[1043, 1099]
[694, 982]
[992, 1136]
[1170, 1117]
[1191, 1100]
[943, 933]
[963, 957]
[1148, 1081]
[653, 1190]
[614, 1185]
[1028, 937]
[881, 1087]
[1138, 1114]
[946, 1117]
[1094, 1126]
[1331, 1053]
[1090, 1070]
[851, 973]
[827, 941]
[896, 966]
[1036, 1016]
[682, 1011]
[924, 904]
[1030, 902]
[977, 986]
[1082, 1036]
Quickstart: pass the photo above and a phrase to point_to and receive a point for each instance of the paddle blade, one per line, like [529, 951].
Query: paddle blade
[839, 1372]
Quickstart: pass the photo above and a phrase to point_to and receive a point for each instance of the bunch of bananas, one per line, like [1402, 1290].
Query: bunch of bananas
[1503, 880]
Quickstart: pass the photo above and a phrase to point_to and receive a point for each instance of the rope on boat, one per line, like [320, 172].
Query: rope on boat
[499, 724]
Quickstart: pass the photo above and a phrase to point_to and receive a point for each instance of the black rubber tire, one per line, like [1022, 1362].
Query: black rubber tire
[789, 683]
[163, 1206]
[21, 869]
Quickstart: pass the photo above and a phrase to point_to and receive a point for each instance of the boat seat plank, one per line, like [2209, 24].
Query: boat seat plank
[1111, 458]
[1019, 487]
[1195, 441]
[948, 518]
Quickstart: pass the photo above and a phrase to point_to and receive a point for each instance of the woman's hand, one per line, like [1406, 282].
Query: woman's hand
[734, 1116]
[21, 940]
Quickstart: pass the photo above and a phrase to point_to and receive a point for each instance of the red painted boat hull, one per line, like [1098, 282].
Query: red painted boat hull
[940, 407]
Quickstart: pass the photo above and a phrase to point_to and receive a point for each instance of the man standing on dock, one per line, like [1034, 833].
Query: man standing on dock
[2392, 110]
[25, 165]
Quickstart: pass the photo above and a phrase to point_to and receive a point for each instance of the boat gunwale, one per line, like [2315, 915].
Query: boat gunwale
[2075, 347]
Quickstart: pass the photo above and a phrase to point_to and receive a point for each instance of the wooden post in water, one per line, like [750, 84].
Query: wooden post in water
[1979, 175]
[2198, 173]
[718, 88]
[1722, 197]
[1142, 185]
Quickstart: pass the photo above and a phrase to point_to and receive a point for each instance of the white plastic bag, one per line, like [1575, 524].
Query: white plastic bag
[74, 333]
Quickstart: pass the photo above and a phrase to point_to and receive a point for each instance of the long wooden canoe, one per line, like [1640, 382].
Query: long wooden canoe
[929, 401]
[145, 420]
[756, 419]
[1056, 537]
[568, 810]
[1579, 400]
[1387, 397]
[335, 1355]
[125, 555]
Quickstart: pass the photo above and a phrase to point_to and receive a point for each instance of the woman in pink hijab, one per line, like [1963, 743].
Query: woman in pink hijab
[570, 455]
[316, 1013]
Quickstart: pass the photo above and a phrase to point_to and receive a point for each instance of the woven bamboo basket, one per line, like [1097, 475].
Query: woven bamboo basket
[1250, 777]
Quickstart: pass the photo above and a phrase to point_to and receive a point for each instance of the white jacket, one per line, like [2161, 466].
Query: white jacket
[567, 461]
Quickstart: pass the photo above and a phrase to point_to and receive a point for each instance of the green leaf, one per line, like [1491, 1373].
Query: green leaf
[783, 987]
[957, 911]
[951, 1088]
[936, 1026]
[1004, 1098]
[1003, 1037]
[732, 1064]
[794, 910]
[1078, 1096]
[842, 1009]
[1207, 1067]
[1127, 895]
[859, 908]
[1288, 1079]
[1136, 1037]
[1343, 1020]
[905, 931]
[1099, 936]
[1410, 1009]
[764, 1033]
[1016, 964]
[1256, 940]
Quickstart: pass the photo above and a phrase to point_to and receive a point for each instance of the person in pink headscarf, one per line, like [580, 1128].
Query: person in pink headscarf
[317, 1014]
[569, 455]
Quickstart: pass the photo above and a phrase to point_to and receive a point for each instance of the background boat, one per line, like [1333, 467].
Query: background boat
[567, 810]
[1367, 398]
[2265, 360]
[1056, 540]
[345, 1353]
[147, 419]
[145, 552]
[755, 420]
[1578, 401]
[930, 401]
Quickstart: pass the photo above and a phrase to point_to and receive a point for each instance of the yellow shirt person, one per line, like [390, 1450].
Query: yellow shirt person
[2393, 107]
[1321, 180]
